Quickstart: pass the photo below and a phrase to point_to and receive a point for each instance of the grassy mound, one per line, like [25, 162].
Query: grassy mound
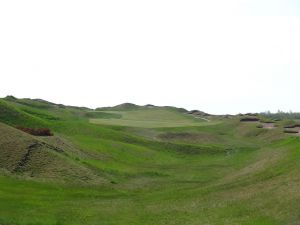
[25, 155]
[121, 107]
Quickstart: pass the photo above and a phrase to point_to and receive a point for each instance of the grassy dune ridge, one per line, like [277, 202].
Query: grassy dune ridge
[143, 165]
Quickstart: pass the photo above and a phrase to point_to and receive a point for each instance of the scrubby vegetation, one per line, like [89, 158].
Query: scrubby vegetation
[36, 131]
[249, 119]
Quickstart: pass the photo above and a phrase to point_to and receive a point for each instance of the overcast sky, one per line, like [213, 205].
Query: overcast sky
[217, 56]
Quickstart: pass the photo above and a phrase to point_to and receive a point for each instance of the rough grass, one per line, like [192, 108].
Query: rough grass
[26, 155]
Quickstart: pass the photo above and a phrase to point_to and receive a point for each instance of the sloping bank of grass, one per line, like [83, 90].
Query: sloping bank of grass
[195, 191]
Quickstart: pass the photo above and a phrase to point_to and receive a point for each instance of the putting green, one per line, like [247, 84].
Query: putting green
[152, 118]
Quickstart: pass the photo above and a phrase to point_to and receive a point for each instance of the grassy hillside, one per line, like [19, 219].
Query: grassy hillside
[44, 158]
[149, 165]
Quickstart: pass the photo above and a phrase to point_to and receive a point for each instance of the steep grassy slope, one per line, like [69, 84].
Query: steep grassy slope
[14, 116]
[41, 158]
[221, 172]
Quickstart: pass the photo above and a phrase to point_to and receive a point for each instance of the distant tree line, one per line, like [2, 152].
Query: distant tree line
[280, 115]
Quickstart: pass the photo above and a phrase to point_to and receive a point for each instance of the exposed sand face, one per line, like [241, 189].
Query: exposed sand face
[268, 125]
[272, 125]
[297, 129]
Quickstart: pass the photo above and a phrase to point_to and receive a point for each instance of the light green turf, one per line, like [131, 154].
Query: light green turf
[151, 118]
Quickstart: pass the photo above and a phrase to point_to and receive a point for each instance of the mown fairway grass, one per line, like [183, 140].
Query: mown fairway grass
[219, 173]
[150, 118]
